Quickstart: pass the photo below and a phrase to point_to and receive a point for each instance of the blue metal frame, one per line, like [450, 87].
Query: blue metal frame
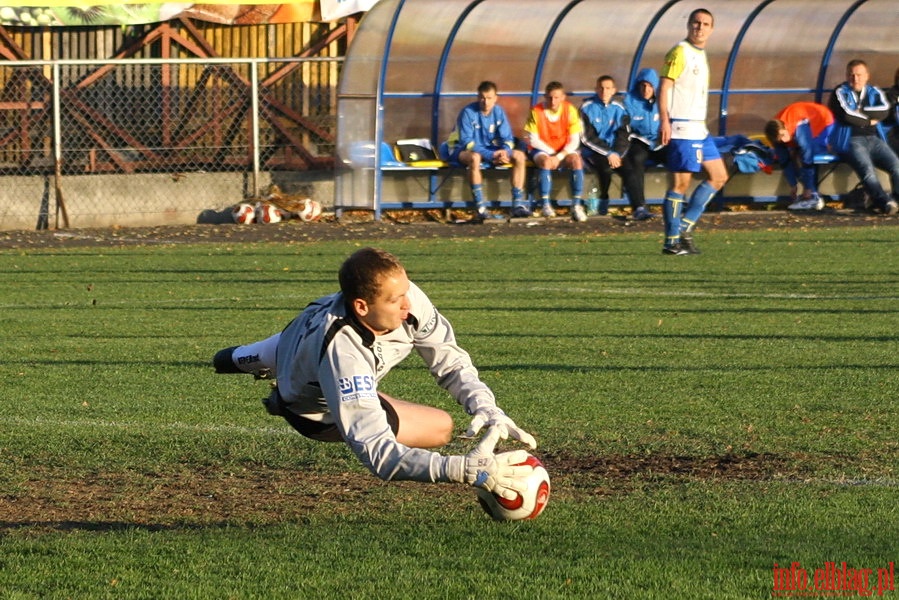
[544, 50]
[731, 62]
[441, 67]
[828, 50]
[379, 115]
[641, 47]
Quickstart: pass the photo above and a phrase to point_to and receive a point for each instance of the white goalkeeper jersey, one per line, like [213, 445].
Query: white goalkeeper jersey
[329, 366]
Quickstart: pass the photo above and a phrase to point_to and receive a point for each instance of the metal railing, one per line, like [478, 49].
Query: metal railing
[111, 136]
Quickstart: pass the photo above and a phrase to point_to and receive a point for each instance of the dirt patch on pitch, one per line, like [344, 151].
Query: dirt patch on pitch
[52, 501]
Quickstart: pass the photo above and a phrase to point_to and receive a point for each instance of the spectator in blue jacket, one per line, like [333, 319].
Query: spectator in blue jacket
[643, 114]
[604, 136]
[483, 135]
[858, 109]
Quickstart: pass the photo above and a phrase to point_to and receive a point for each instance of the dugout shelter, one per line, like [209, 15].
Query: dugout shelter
[414, 64]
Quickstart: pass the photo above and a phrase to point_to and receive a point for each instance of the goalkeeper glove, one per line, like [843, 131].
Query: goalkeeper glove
[501, 474]
[493, 416]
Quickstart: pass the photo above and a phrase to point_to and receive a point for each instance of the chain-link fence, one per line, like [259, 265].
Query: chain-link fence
[160, 141]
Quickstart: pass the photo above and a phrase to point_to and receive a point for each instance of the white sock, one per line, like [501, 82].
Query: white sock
[256, 356]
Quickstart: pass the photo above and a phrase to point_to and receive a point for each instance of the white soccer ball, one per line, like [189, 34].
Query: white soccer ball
[267, 213]
[528, 505]
[311, 211]
[243, 213]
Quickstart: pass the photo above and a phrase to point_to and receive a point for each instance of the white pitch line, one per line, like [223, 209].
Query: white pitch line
[691, 294]
[541, 289]
[175, 426]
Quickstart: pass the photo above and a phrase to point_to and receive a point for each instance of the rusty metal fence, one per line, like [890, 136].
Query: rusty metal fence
[144, 141]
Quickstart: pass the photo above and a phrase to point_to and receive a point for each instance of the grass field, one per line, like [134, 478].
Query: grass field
[703, 418]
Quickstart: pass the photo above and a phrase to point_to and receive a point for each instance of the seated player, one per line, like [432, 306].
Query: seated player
[797, 133]
[483, 135]
[554, 129]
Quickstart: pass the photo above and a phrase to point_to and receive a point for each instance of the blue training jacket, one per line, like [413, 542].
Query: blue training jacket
[605, 126]
[644, 114]
[853, 114]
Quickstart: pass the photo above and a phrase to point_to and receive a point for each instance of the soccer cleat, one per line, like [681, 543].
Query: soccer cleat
[813, 203]
[686, 242]
[223, 363]
[642, 214]
[547, 211]
[675, 250]
[578, 213]
[520, 211]
[481, 216]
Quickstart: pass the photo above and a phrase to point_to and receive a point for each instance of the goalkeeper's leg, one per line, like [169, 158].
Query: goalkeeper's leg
[420, 426]
[257, 358]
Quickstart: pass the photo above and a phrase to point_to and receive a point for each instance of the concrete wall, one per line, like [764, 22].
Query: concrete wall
[144, 199]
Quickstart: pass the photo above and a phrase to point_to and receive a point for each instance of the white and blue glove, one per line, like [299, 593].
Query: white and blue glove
[501, 474]
[493, 416]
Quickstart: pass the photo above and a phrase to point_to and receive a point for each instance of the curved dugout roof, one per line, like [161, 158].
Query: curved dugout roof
[414, 64]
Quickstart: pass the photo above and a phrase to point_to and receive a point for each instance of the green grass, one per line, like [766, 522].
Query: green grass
[703, 418]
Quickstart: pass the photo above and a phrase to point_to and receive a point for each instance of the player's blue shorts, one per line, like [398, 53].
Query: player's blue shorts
[533, 152]
[687, 156]
[485, 162]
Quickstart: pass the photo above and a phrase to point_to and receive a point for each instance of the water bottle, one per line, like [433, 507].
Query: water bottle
[593, 203]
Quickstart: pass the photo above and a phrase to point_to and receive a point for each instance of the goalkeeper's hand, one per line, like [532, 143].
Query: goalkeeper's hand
[493, 416]
[500, 474]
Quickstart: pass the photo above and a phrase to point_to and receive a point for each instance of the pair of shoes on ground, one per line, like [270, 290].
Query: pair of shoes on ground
[577, 212]
[683, 247]
[816, 202]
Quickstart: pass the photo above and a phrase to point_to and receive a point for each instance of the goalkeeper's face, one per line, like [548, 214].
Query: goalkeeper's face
[389, 308]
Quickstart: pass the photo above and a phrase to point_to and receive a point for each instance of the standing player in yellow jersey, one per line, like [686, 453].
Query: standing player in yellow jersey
[683, 105]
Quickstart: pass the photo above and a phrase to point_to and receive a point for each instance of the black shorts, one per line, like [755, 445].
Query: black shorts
[328, 432]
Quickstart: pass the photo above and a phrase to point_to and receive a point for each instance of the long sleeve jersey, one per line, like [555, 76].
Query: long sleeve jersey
[329, 366]
[484, 134]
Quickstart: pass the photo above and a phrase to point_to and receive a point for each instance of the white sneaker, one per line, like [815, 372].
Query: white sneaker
[810, 204]
[578, 213]
[892, 207]
[547, 211]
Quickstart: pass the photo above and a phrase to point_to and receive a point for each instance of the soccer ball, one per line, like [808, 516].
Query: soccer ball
[243, 213]
[267, 213]
[526, 506]
[311, 211]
